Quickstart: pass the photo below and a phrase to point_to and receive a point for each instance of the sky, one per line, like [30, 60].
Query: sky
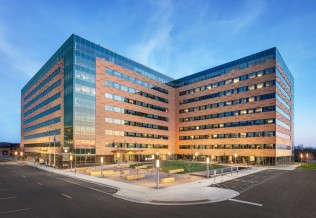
[177, 38]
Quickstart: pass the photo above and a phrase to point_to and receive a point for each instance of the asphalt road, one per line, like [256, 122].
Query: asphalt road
[28, 192]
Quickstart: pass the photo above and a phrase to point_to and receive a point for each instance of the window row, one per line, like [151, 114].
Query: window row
[134, 80]
[44, 103]
[135, 113]
[282, 78]
[135, 134]
[279, 122]
[278, 97]
[45, 113]
[135, 145]
[45, 92]
[228, 81]
[133, 123]
[239, 64]
[135, 91]
[283, 91]
[80, 88]
[42, 144]
[227, 125]
[84, 74]
[41, 85]
[282, 135]
[43, 134]
[228, 103]
[229, 92]
[45, 123]
[283, 147]
[135, 102]
[229, 114]
[279, 110]
[229, 146]
[229, 135]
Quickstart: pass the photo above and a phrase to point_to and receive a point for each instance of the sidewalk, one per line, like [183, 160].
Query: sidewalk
[196, 192]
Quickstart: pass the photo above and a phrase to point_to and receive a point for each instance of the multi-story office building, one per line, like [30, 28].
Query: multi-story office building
[94, 102]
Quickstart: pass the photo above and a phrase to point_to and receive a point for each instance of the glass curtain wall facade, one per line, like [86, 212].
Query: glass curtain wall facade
[105, 94]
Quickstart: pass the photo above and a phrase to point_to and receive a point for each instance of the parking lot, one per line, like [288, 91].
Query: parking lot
[247, 182]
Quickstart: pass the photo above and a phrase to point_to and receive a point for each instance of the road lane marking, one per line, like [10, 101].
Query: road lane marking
[24, 176]
[83, 186]
[8, 198]
[39, 183]
[12, 211]
[67, 196]
[246, 202]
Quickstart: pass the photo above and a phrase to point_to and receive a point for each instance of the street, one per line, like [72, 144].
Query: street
[29, 192]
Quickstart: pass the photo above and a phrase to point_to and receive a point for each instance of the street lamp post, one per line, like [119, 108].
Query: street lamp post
[21, 156]
[157, 166]
[54, 151]
[196, 156]
[307, 158]
[235, 158]
[70, 163]
[101, 167]
[207, 164]
[49, 151]
[301, 159]
[16, 156]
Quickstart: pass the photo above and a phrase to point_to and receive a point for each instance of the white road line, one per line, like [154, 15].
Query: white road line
[12, 211]
[83, 186]
[39, 183]
[246, 202]
[67, 196]
[24, 176]
[8, 198]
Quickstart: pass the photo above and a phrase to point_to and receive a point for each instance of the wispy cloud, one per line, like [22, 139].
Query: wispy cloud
[155, 45]
[17, 59]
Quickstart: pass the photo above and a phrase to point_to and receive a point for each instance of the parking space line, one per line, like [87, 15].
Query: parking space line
[12, 211]
[82, 185]
[67, 196]
[8, 198]
[246, 202]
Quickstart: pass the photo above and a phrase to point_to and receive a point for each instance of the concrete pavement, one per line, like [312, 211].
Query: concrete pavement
[197, 192]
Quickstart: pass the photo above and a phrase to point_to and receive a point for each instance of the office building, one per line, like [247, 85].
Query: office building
[91, 102]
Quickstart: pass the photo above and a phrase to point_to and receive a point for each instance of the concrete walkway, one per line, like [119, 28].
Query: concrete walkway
[197, 192]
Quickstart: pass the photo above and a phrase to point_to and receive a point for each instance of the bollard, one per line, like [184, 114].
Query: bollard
[214, 175]
[237, 170]
[222, 174]
[231, 171]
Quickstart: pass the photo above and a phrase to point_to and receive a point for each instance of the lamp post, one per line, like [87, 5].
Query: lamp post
[101, 167]
[16, 156]
[54, 151]
[207, 164]
[235, 158]
[307, 158]
[301, 159]
[70, 163]
[21, 156]
[157, 166]
[196, 156]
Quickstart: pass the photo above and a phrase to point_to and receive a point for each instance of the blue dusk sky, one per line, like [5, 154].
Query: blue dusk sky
[177, 38]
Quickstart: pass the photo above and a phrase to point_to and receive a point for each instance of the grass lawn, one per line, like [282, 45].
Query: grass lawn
[187, 166]
[307, 166]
